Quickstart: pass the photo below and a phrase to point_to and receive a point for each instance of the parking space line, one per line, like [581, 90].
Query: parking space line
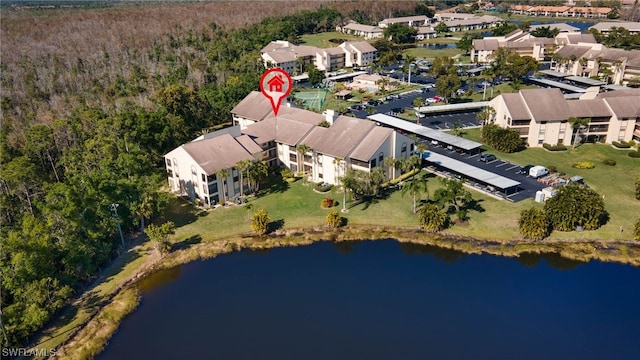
[503, 164]
[512, 167]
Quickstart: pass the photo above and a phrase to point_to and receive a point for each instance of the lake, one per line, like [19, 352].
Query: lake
[383, 300]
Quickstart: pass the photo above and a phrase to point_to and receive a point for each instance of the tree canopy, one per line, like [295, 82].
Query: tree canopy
[400, 33]
[575, 205]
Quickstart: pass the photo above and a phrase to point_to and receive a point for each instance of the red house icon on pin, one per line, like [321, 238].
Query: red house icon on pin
[275, 83]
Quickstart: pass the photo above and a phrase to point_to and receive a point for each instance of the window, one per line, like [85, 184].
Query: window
[373, 163]
[213, 188]
[562, 130]
[412, 147]
[193, 171]
[168, 162]
[540, 142]
[403, 149]
[541, 132]
[381, 158]
[170, 173]
[204, 177]
[211, 178]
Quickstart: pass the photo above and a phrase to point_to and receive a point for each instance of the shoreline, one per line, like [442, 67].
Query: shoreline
[93, 335]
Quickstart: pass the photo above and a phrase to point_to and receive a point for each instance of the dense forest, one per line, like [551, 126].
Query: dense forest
[91, 100]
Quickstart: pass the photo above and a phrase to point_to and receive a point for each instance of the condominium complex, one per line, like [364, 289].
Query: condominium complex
[208, 168]
[292, 58]
[543, 116]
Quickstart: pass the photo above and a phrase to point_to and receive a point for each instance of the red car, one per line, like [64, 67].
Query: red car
[438, 98]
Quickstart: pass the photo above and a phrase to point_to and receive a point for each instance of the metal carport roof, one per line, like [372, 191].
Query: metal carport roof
[425, 132]
[470, 171]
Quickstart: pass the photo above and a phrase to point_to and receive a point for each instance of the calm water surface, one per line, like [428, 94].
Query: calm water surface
[384, 300]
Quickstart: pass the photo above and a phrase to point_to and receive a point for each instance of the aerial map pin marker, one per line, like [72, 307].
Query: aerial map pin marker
[275, 85]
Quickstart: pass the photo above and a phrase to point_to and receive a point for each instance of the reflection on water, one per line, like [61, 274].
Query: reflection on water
[447, 255]
[159, 278]
[437, 46]
[554, 260]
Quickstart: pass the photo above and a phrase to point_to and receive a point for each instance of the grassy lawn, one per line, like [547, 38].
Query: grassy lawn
[322, 40]
[615, 183]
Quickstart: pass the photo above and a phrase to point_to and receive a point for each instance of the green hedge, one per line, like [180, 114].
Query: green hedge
[609, 162]
[621, 144]
[634, 154]
[558, 147]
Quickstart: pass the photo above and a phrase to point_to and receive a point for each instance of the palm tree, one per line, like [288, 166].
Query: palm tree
[302, 150]
[415, 187]
[339, 164]
[382, 84]
[408, 61]
[616, 65]
[242, 166]
[418, 103]
[486, 114]
[577, 124]
[393, 164]
[144, 209]
[583, 63]
[223, 174]
[257, 171]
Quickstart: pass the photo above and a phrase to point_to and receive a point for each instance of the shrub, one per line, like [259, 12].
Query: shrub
[501, 139]
[260, 222]
[609, 162]
[636, 230]
[558, 147]
[322, 187]
[621, 144]
[328, 203]
[638, 189]
[552, 169]
[631, 142]
[431, 218]
[286, 173]
[634, 154]
[533, 224]
[584, 165]
[334, 219]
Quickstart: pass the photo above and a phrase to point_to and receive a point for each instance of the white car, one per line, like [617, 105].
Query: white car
[431, 100]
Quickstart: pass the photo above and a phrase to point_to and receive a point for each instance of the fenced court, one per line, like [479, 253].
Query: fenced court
[313, 99]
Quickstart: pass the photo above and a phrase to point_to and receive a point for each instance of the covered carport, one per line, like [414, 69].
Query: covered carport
[436, 137]
[479, 178]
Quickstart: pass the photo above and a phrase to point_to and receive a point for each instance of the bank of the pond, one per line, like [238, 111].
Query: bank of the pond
[94, 333]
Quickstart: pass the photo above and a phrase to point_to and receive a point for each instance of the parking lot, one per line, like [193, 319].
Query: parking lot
[405, 101]
[528, 185]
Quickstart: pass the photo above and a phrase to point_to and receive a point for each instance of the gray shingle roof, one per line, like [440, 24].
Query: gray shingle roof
[517, 107]
[254, 106]
[588, 108]
[341, 138]
[624, 106]
[220, 152]
[546, 104]
[367, 148]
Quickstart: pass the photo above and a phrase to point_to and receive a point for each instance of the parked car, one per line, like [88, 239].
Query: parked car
[438, 98]
[431, 100]
[487, 158]
[525, 170]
